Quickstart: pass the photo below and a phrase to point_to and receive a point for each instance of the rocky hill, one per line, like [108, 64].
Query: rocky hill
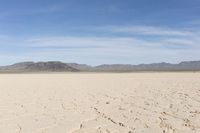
[53, 66]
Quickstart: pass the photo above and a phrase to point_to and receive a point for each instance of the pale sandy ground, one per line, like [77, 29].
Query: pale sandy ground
[100, 103]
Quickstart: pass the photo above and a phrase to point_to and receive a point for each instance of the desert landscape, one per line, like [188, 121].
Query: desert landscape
[99, 66]
[143, 102]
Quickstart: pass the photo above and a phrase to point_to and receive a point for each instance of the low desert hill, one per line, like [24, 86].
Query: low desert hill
[56, 66]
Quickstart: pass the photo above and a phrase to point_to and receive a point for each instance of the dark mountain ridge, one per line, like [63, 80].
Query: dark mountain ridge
[51, 66]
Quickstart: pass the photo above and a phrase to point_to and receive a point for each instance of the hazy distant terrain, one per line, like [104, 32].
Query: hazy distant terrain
[38, 67]
[56, 66]
[100, 103]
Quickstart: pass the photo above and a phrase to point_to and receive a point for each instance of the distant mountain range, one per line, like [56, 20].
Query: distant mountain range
[53, 66]
[56, 66]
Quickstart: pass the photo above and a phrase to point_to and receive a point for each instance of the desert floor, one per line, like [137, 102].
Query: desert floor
[100, 103]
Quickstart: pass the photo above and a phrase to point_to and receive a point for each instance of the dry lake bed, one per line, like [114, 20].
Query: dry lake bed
[100, 103]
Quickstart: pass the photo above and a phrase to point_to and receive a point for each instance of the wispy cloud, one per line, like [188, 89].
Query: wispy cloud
[146, 30]
[75, 41]
[127, 36]
[168, 38]
[180, 45]
[113, 43]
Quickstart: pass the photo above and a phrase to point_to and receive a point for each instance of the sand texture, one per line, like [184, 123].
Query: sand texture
[100, 103]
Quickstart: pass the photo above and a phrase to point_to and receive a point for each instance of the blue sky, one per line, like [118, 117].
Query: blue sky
[99, 31]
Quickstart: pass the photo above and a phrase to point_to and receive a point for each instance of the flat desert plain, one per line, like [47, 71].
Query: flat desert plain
[100, 103]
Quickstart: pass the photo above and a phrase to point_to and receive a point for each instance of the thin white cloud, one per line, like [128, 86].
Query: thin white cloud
[180, 39]
[146, 30]
[114, 42]
[111, 49]
[81, 41]
[190, 42]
